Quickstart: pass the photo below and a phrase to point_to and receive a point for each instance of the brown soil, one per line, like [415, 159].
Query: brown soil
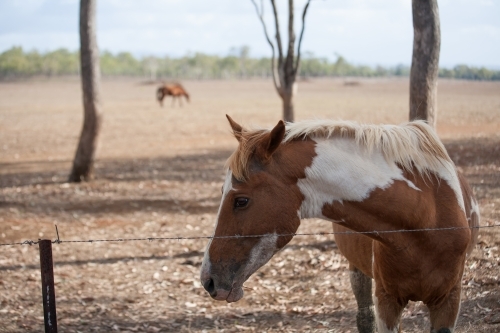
[158, 174]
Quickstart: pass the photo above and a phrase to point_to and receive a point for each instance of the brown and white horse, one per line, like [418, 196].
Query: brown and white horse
[175, 90]
[362, 178]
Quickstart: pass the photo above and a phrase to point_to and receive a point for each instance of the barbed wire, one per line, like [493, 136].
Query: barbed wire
[179, 238]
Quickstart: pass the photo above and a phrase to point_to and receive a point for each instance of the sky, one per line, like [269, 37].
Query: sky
[365, 32]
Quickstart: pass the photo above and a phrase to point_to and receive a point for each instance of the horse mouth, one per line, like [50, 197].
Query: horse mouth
[229, 295]
[235, 295]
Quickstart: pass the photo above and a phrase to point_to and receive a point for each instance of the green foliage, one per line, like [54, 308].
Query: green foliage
[123, 63]
[470, 73]
[14, 61]
[17, 63]
[238, 64]
[60, 62]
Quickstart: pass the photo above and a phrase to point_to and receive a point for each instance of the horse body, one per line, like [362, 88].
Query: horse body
[175, 90]
[417, 266]
[363, 179]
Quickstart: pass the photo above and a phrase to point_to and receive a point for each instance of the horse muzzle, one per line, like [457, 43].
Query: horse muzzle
[229, 295]
[221, 283]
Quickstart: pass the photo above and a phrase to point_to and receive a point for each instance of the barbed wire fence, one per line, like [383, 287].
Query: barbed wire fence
[47, 271]
[178, 238]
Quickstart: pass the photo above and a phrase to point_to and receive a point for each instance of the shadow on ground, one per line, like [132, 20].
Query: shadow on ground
[477, 151]
[203, 167]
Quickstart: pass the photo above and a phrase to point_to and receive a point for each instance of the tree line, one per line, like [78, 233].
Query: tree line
[17, 63]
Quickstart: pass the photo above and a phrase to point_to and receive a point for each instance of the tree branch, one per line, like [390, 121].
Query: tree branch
[260, 14]
[291, 43]
[297, 63]
[278, 35]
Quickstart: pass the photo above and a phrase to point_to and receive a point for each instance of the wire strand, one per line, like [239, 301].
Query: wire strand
[178, 238]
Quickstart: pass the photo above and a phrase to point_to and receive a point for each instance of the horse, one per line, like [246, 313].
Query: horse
[175, 90]
[371, 180]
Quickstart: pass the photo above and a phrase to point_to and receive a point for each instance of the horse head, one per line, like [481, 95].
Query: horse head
[160, 94]
[259, 210]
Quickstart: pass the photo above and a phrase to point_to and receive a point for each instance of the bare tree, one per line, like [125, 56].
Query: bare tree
[244, 53]
[90, 75]
[285, 67]
[151, 65]
[425, 61]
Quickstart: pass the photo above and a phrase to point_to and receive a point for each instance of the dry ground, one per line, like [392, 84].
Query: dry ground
[158, 174]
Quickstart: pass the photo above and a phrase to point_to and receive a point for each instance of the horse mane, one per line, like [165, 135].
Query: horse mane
[412, 145]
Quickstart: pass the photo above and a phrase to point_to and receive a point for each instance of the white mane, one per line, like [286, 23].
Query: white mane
[411, 145]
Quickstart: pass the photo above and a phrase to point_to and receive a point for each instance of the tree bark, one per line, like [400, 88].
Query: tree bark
[90, 75]
[425, 61]
[287, 99]
[288, 83]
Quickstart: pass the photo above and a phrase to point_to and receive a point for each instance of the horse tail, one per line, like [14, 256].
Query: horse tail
[471, 211]
[186, 95]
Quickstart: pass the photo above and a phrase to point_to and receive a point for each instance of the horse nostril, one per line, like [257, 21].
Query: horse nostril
[210, 287]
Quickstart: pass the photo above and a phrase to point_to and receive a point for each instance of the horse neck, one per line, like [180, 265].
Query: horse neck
[343, 171]
[361, 190]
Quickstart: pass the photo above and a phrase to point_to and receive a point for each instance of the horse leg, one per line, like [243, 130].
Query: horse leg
[173, 101]
[362, 288]
[444, 315]
[387, 311]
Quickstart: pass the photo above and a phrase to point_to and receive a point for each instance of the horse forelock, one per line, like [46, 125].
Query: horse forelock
[239, 161]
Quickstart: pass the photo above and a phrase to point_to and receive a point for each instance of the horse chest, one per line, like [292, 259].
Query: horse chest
[414, 274]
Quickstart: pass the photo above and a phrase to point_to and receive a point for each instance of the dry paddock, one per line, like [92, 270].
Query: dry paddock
[158, 174]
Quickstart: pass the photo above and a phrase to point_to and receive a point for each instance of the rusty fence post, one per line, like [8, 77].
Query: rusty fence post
[48, 292]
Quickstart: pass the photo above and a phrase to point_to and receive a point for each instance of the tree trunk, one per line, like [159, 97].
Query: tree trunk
[425, 61]
[90, 75]
[285, 69]
[287, 98]
[289, 70]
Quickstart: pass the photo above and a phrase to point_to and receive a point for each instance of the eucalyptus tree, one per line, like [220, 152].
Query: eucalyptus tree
[425, 61]
[90, 76]
[285, 66]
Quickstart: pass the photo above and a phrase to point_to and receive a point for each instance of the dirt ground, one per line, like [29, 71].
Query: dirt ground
[159, 173]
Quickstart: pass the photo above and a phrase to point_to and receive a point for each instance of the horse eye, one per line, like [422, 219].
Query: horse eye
[240, 202]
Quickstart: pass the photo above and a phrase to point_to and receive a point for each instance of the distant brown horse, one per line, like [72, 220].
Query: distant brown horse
[175, 90]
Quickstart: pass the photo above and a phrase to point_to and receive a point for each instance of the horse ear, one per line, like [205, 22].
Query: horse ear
[237, 129]
[275, 137]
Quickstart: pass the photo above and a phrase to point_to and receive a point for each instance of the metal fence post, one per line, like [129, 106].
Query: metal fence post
[48, 292]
